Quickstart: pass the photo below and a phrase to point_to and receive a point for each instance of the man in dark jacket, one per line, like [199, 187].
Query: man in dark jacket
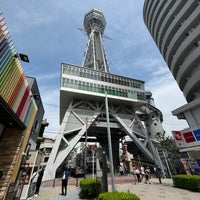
[65, 176]
[39, 181]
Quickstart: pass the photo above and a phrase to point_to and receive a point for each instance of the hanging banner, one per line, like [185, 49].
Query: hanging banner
[186, 166]
[194, 166]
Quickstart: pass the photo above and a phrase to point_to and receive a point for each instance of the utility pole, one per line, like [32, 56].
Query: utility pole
[85, 150]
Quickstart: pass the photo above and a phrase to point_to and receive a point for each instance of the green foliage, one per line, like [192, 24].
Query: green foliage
[40, 139]
[168, 143]
[190, 182]
[118, 196]
[90, 188]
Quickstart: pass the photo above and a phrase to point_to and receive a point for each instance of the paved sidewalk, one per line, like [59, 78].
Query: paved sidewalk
[49, 193]
[153, 191]
[156, 191]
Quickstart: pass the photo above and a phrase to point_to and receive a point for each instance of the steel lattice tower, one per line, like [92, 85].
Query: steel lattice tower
[82, 104]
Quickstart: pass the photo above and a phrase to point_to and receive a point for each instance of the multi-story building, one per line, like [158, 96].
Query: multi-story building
[175, 28]
[35, 156]
[18, 111]
[46, 148]
[40, 114]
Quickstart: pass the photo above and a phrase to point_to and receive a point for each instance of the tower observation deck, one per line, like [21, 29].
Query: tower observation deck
[95, 57]
[82, 105]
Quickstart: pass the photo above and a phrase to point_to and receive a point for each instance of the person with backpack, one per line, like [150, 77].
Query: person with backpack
[65, 176]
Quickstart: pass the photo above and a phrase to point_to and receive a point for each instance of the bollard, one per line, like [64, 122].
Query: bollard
[76, 181]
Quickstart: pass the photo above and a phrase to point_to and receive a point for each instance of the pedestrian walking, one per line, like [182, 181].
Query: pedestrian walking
[138, 175]
[125, 170]
[147, 175]
[33, 182]
[121, 170]
[65, 176]
[142, 173]
[39, 181]
[135, 180]
[159, 174]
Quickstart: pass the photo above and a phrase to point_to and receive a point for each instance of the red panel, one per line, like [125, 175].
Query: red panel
[23, 101]
[189, 137]
[16, 90]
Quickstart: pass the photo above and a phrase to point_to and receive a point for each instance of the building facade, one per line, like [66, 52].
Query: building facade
[35, 156]
[175, 28]
[46, 148]
[18, 110]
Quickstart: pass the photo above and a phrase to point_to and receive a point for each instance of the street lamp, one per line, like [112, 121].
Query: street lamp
[22, 57]
[36, 96]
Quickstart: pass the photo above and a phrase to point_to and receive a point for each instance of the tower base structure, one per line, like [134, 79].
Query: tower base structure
[85, 113]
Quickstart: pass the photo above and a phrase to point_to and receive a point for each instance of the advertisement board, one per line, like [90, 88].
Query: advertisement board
[187, 137]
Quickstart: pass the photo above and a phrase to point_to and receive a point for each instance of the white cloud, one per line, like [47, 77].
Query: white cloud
[50, 98]
[167, 97]
[48, 76]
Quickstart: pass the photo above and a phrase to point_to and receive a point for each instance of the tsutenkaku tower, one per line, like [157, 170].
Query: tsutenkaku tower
[95, 57]
[82, 104]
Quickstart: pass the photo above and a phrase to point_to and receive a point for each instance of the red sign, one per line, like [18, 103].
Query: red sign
[178, 138]
[177, 135]
[189, 137]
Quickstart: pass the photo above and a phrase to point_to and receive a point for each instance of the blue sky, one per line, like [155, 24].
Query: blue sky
[47, 31]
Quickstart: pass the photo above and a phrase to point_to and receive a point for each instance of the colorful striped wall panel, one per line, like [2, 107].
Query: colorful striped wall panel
[14, 88]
